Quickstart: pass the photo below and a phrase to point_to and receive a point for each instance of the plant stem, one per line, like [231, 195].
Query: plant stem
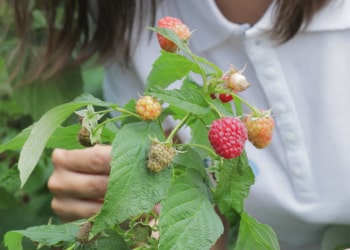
[177, 128]
[121, 110]
[212, 106]
[214, 155]
[202, 73]
[251, 107]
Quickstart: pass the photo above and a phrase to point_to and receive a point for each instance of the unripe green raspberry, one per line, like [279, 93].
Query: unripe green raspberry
[159, 156]
[148, 108]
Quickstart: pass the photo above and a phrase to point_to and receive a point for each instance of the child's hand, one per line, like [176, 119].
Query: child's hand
[79, 181]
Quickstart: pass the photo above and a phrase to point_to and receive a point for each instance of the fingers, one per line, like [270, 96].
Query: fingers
[64, 182]
[94, 160]
[79, 181]
[69, 209]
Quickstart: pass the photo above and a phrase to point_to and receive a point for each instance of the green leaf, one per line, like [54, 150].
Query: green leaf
[43, 129]
[67, 137]
[187, 98]
[16, 142]
[132, 189]
[233, 187]
[209, 68]
[63, 137]
[187, 217]
[255, 235]
[168, 68]
[40, 133]
[201, 64]
[199, 136]
[47, 235]
[13, 240]
[190, 159]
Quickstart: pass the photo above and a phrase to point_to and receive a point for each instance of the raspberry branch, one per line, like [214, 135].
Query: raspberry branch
[177, 128]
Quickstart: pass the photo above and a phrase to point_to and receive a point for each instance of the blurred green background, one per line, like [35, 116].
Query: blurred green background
[20, 106]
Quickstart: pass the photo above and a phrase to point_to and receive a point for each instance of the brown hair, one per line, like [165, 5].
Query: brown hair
[103, 28]
[291, 15]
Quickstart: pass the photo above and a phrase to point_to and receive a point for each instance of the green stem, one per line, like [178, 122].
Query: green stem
[177, 128]
[105, 111]
[211, 152]
[202, 73]
[251, 107]
[124, 111]
[214, 108]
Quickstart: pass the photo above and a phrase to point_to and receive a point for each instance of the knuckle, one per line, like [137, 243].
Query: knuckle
[99, 162]
[55, 206]
[98, 186]
[53, 184]
[57, 157]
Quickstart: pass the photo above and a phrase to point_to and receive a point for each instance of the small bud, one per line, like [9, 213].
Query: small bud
[237, 82]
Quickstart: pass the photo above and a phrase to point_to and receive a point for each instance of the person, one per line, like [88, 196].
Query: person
[296, 56]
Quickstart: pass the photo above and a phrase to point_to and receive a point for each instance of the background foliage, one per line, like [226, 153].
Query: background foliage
[20, 106]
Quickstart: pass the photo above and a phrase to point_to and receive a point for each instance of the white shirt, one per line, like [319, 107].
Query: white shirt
[302, 178]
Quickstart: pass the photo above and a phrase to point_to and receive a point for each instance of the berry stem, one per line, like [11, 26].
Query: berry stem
[177, 128]
[121, 110]
[211, 152]
[107, 121]
[214, 108]
[251, 107]
[195, 59]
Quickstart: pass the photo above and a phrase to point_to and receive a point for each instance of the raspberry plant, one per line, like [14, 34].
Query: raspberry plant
[189, 190]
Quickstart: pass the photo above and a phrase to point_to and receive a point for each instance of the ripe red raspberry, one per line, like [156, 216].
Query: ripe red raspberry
[175, 25]
[259, 130]
[148, 108]
[159, 156]
[225, 97]
[227, 136]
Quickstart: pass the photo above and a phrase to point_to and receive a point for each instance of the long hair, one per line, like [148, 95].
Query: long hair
[292, 15]
[85, 29]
